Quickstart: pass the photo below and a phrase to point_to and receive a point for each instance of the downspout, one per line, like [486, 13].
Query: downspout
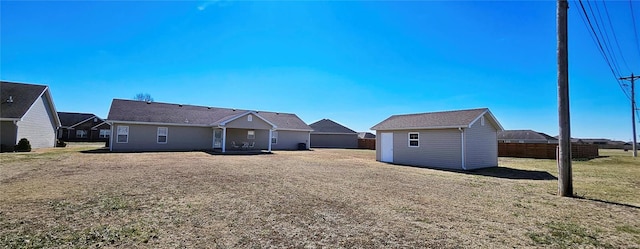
[464, 167]
[224, 139]
[270, 137]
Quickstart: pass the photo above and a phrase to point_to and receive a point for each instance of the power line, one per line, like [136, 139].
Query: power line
[605, 37]
[615, 38]
[633, 19]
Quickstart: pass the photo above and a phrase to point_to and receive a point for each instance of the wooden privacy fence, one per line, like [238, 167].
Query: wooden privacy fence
[367, 143]
[545, 151]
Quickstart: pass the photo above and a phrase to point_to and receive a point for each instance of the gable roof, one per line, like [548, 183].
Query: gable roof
[524, 135]
[17, 98]
[68, 119]
[436, 120]
[366, 135]
[330, 126]
[190, 115]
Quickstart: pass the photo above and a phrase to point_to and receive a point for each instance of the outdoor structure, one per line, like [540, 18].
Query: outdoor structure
[329, 134]
[27, 111]
[461, 140]
[366, 135]
[82, 127]
[366, 140]
[525, 136]
[152, 126]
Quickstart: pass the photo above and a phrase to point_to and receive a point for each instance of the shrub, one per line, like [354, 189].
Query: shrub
[60, 143]
[23, 145]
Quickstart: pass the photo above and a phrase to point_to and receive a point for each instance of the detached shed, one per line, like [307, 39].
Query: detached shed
[329, 134]
[464, 139]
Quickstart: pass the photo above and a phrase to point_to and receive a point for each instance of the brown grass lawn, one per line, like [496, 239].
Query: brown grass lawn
[324, 198]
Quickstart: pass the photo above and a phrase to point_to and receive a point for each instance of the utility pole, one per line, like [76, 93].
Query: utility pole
[633, 110]
[565, 184]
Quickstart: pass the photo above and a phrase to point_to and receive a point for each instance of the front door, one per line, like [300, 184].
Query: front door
[217, 139]
[386, 147]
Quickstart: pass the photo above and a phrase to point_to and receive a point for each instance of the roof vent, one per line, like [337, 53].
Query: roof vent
[186, 120]
[10, 99]
[209, 108]
[180, 105]
[148, 102]
[234, 110]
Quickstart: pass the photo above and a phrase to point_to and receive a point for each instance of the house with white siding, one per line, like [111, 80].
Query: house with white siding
[460, 140]
[27, 111]
[154, 126]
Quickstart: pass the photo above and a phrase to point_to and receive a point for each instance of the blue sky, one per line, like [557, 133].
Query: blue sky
[355, 62]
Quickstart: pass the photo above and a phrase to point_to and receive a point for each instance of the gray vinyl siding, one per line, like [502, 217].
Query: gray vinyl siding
[8, 132]
[439, 148]
[288, 140]
[242, 123]
[180, 138]
[239, 136]
[38, 125]
[481, 145]
[349, 141]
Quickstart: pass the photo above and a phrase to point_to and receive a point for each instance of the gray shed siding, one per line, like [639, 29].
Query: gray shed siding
[288, 140]
[242, 123]
[439, 148]
[144, 138]
[481, 145]
[349, 141]
[8, 132]
[38, 125]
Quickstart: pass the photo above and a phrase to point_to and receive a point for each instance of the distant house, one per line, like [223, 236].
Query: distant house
[82, 127]
[464, 139]
[27, 111]
[366, 135]
[525, 136]
[329, 134]
[152, 126]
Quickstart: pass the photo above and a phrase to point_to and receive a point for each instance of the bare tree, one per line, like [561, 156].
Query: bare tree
[143, 97]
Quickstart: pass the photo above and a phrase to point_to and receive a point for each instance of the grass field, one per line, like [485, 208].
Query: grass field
[66, 197]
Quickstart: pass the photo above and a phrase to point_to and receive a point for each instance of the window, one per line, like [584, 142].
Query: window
[250, 118]
[163, 133]
[251, 134]
[105, 133]
[81, 133]
[482, 121]
[123, 134]
[414, 139]
[274, 137]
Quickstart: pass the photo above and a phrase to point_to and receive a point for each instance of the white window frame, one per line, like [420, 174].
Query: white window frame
[413, 139]
[251, 134]
[162, 132]
[84, 132]
[250, 118]
[122, 130]
[104, 133]
[274, 137]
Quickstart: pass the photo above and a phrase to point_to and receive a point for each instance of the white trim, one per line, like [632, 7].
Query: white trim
[422, 128]
[332, 133]
[100, 130]
[94, 116]
[166, 135]
[308, 141]
[224, 123]
[155, 123]
[270, 137]
[273, 134]
[224, 139]
[464, 167]
[86, 134]
[251, 133]
[111, 138]
[96, 126]
[409, 139]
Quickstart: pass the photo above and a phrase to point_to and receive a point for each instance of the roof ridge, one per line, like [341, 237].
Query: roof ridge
[439, 112]
[201, 106]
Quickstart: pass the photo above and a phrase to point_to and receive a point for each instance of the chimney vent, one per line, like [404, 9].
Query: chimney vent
[10, 99]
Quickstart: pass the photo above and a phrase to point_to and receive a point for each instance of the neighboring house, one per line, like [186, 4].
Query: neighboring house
[329, 134]
[366, 135]
[525, 136]
[465, 139]
[82, 127]
[151, 126]
[27, 111]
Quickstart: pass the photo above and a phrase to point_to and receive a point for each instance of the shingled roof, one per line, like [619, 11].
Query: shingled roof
[524, 135]
[435, 120]
[330, 126]
[72, 118]
[166, 113]
[17, 98]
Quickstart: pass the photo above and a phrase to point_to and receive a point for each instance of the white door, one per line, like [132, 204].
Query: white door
[386, 150]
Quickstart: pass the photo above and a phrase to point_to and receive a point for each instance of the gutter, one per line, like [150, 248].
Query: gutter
[464, 167]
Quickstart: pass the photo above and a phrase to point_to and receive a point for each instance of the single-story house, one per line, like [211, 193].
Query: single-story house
[329, 134]
[461, 140]
[366, 135]
[525, 136]
[27, 111]
[82, 127]
[153, 126]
